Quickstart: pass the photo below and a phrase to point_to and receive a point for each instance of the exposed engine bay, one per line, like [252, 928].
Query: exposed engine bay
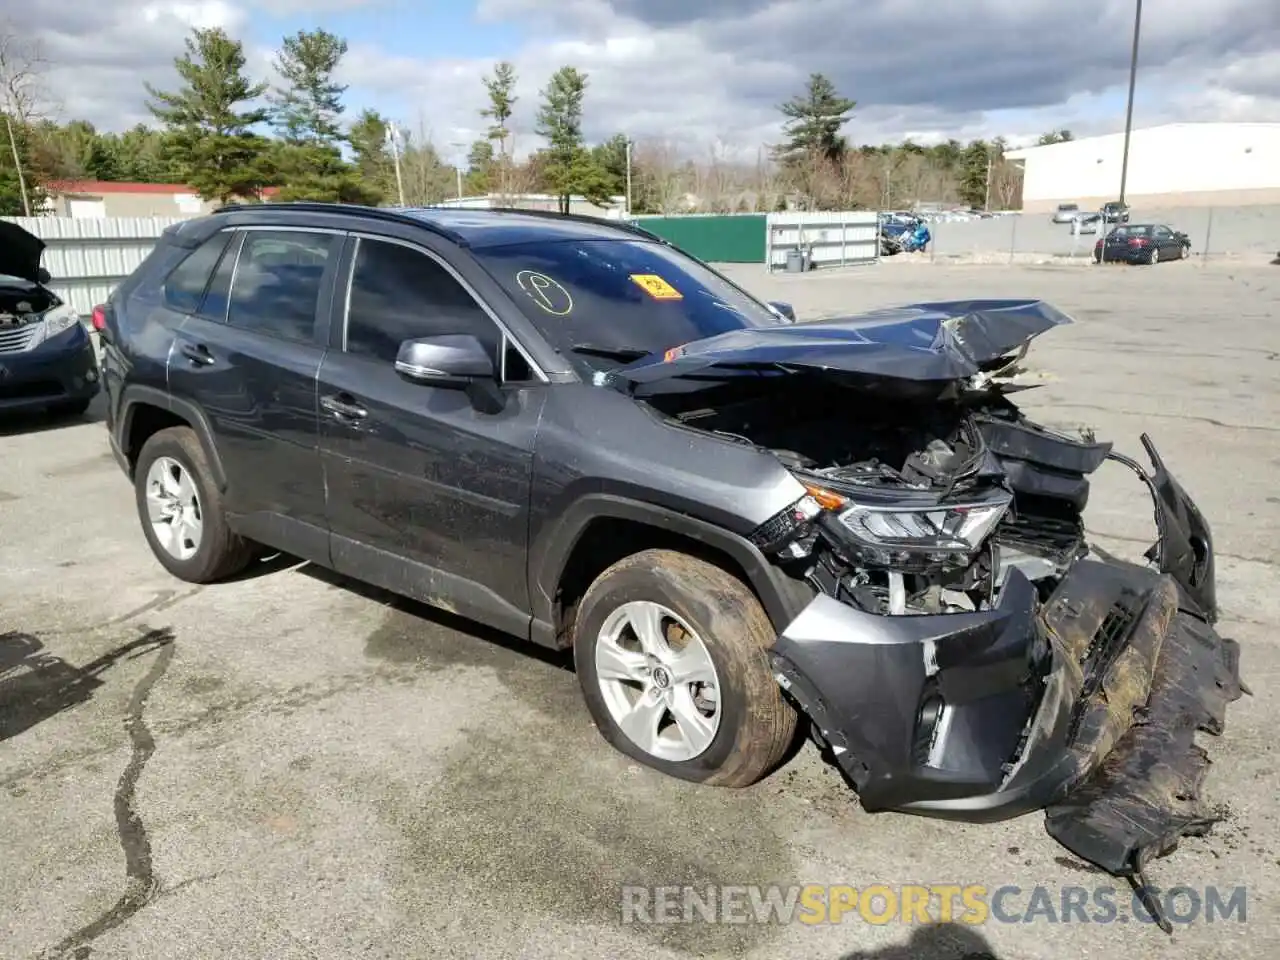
[920, 505]
[22, 303]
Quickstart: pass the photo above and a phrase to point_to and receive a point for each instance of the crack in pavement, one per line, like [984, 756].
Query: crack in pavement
[141, 885]
[1167, 416]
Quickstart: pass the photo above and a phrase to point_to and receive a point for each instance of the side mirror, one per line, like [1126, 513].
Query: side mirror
[42, 276]
[450, 360]
[786, 309]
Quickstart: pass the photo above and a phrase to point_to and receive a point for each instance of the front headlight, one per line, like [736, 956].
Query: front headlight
[58, 320]
[912, 533]
[935, 528]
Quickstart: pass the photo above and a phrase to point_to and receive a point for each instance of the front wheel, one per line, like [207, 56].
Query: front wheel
[672, 656]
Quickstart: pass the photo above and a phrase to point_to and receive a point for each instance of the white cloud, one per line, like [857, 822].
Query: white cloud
[698, 73]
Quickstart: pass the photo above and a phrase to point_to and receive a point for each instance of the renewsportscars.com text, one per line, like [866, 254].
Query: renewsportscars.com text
[926, 903]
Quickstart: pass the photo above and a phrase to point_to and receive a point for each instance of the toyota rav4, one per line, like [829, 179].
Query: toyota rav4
[570, 430]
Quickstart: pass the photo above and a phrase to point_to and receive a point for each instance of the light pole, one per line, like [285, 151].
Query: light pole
[1128, 113]
[392, 135]
[457, 167]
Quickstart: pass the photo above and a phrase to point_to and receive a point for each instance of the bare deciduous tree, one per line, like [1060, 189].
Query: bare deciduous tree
[22, 66]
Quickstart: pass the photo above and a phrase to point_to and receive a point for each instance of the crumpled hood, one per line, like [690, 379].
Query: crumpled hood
[20, 252]
[942, 341]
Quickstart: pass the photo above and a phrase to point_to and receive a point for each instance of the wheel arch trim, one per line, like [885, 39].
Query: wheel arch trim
[136, 395]
[782, 597]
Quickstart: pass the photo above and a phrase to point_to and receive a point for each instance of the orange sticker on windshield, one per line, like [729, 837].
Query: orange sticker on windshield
[656, 287]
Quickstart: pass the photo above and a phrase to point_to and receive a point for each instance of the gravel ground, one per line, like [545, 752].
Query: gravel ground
[291, 765]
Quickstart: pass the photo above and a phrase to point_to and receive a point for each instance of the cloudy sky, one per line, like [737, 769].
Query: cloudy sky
[701, 73]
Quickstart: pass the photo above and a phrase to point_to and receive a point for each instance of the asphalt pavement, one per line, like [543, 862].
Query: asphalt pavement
[292, 765]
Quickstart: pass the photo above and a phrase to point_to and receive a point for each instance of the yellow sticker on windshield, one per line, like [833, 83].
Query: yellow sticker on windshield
[656, 287]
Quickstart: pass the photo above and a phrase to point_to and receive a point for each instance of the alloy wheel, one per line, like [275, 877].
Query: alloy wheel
[173, 508]
[658, 681]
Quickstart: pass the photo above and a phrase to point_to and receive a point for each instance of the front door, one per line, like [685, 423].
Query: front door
[249, 360]
[428, 485]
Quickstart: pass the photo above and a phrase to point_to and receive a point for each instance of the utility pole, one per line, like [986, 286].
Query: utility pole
[986, 204]
[393, 136]
[628, 178]
[1128, 113]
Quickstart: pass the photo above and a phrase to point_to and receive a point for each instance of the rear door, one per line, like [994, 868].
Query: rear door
[428, 485]
[249, 358]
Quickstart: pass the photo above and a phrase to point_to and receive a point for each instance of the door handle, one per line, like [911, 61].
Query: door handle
[197, 353]
[344, 407]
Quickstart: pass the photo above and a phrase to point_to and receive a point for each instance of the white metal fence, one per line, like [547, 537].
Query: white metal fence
[822, 239]
[88, 257]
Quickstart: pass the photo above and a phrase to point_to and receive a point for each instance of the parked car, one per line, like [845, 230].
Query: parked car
[742, 526]
[47, 358]
[1142, 243]
[1115, 212]
[1066, 212]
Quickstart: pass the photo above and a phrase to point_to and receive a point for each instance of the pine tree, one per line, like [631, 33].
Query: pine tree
[210, 118]
[815, 119]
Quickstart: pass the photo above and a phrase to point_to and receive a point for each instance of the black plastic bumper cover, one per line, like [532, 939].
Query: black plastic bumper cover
[1146, 794]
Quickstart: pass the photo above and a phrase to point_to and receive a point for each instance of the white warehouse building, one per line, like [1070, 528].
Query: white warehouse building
[1176, 164]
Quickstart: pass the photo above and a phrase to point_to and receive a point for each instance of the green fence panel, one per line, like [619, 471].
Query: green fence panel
[714, 239]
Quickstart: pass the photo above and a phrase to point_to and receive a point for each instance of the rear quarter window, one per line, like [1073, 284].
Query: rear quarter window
[184, 287]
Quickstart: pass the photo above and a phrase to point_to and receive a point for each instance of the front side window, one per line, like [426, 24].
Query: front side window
[610, 301]
[400, 294]
[184, 288]
[277, 283]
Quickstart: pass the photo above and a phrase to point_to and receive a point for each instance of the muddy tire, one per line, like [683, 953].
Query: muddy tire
[662, 627]
[194, 543]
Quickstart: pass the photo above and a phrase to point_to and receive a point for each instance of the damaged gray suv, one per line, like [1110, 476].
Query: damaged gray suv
[743, 526]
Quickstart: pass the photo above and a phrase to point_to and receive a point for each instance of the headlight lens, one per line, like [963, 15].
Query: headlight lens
[936, 528]
[59, 319]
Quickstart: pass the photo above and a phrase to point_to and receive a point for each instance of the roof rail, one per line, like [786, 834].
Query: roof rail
[577, 217]
[399, 215]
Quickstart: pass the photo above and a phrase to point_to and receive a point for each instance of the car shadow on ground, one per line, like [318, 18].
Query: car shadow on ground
[939, 941]
[14, 424]
[36, 685]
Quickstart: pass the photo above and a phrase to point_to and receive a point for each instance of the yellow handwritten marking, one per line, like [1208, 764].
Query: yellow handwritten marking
[545, 292]
[656, 287]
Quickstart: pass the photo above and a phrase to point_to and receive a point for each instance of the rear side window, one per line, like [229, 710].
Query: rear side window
[277, 283]
[184, 289]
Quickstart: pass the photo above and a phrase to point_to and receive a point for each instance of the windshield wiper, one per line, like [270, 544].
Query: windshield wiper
[611, 353]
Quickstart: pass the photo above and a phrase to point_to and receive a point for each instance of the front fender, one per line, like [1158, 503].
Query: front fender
[782, 597]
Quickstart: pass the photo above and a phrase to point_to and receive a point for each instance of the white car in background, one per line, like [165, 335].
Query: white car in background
[1066, 212]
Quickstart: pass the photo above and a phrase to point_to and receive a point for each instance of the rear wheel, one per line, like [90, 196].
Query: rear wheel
[181, 510]
[1154, 256]
[672, 656]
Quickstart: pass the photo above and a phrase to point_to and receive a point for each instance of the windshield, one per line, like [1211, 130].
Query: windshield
[606, 302]
[1125, 232]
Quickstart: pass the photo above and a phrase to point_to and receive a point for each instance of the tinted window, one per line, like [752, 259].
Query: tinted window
[277, 283]
[214, 306]
[619, 295]
[399, 294]
[185, 286]
[1131, 232]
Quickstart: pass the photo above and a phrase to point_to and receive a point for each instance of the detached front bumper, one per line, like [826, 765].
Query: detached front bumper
[1085, 704]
